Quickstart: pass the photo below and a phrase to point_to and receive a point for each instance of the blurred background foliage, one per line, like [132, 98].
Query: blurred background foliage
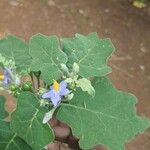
[140, 3]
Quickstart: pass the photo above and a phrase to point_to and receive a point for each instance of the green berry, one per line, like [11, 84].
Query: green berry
[13, 87]
[27, 86]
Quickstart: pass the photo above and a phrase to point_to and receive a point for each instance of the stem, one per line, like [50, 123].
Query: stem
[37, 74]
[32, 79]
[44, 84]
[38, 80]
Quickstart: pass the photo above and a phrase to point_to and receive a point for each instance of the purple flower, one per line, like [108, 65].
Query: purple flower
[56, 92]
[6, 77]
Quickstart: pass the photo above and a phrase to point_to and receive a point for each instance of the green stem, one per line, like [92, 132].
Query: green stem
[37, 74]
[32, 79]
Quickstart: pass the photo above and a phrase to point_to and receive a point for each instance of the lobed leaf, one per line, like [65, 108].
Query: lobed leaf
[90, 53]
[13, 48]
[3, 113]
[47, 57]
[8, 139]
[109, 119]
[27, 122]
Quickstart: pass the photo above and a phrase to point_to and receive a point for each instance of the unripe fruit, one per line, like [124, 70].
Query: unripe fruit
[27, 86]
[13, 87]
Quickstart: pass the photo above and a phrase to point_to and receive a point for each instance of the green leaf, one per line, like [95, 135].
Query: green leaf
[90, 53]
[85, 85]
[3, 113]
[27, 122]
[109, 119]
[47, 57]
[8, 139]
[17, 50]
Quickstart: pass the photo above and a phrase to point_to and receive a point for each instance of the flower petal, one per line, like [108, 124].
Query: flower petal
[63, 85]
[55, 98]
[47, 95]
[6, 81]
[63, 88]
[7, 77]
[64, 92]
[7, 73]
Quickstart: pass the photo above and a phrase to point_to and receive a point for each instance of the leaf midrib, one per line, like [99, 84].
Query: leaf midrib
[94, 112]
[50, 57]
[11, 141]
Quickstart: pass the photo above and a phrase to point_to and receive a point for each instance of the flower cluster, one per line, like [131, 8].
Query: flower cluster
[8, 77]
[8, 74]
[58, 91]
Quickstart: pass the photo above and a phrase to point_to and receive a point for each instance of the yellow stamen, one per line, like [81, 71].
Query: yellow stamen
[56, 86]
[2, 77]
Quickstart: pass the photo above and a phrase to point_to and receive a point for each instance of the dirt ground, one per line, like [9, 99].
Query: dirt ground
[128, 27]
